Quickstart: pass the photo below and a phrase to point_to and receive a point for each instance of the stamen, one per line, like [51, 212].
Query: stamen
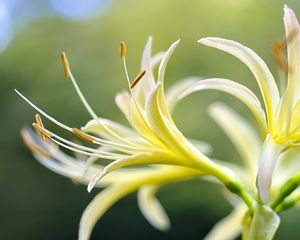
[99, 140]
[83, 135]
[122, 50]
[42, 131]
[40, 123]
[32, 145]
[91, 111]
[137, 79]
[66, 64]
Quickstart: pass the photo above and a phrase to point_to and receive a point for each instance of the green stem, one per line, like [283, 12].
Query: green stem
[228, 179]
[237, 189]
[286, 190]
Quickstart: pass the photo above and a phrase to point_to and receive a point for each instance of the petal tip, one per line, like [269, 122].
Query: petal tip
[288, 12]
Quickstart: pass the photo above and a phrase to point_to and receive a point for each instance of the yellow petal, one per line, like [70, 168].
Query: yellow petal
[152, 209]
[257, 66]
[242, 135]
[170, 135]
[237, 90]
[104, 200]
[141, 158]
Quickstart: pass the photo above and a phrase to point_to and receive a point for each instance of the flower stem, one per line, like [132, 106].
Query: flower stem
[285, 191]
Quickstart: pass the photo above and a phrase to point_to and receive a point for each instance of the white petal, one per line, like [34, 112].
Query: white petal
[122, 100]
[164, 61]
[241, 133]
[237, 90]
[230, 227]
[268, 160]
[257, 66]
[264, 223]
[152, 209]
[292, 31]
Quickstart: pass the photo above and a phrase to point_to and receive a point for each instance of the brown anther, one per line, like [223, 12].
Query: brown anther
[39, 122]
[65, 63]
[83, 135]
[41, 130]
[122, 50]
[137, 79]
[32, 145]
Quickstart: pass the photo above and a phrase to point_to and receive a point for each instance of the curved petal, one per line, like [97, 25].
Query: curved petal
[257, 66]
[237, 90]
[143, 158]
[148, 63]
[241, 133]
[171, 136]
[230, 227]
[292, 31]
[165, 60]
[104, 200]
[152, 209]
[122, 100]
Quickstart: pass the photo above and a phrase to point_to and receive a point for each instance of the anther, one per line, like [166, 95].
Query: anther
[65, 63]
[137, 79]
[122, 50]
[38, 121]
[83, 135]
[41, 130]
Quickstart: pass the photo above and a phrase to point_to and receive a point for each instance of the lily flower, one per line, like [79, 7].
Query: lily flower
[248, 144]
[153, 141]
[279, 120]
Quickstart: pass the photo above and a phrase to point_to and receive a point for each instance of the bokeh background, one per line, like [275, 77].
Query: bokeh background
[38, 204]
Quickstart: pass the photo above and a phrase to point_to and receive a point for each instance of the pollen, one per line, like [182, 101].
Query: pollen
[122, 50]
[42, 131]
[32, 145]
[83, 135]
[65, 63]
[137, 79]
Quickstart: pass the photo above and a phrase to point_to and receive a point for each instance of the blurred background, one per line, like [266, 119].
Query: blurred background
[35, 203]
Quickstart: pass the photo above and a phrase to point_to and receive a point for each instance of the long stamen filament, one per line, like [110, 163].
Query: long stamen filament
[84, 101]
[52, 135]
[97, 140]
